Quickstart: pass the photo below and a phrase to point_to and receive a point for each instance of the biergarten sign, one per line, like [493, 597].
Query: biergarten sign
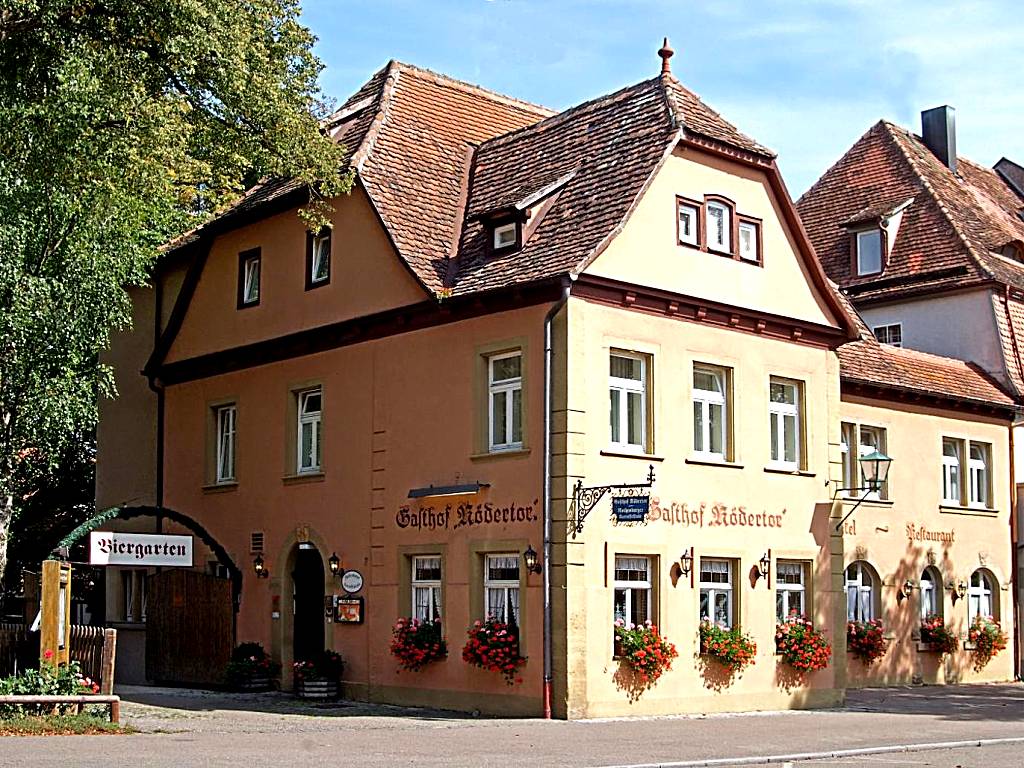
[109, 548]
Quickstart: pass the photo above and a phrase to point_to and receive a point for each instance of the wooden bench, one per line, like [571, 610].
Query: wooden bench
[113, 702]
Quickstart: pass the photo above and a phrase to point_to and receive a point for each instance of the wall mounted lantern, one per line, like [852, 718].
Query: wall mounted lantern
[686, 562]
[960, 589]
[764, 565]
[530, 560]
[874, 468]
[334, 563]
[907, 588]
[260, 568]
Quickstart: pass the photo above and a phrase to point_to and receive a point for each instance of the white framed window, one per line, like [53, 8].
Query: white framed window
[930, 592]
[505, 398]
[871, 439]
[226, 419]
[710, 412]
[627, 392]
[891, 334]
[750, 234]
[860, 592]
[790, 590]
[501, 587]
[249, 293]
[310, 403]
[849, 432]
[689, 218]
[320, 259]
[505, 235]
[426, 587]
[784, 417]
[979, 596]
[978, 474]
[633, 590]
[716, 594]
[951, 487]
[718, 220]
[869, 252]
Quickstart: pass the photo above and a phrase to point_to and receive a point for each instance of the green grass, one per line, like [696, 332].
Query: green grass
[59, 725]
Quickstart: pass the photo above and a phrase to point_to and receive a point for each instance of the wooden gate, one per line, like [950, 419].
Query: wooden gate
[189, 627]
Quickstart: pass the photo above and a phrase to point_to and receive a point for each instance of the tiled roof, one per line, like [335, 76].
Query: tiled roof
[906, 370]
[949, 235]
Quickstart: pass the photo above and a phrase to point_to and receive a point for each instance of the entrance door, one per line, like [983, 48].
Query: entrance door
[308, 581]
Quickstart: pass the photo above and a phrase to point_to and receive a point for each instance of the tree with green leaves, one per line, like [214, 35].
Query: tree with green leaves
[124, 123]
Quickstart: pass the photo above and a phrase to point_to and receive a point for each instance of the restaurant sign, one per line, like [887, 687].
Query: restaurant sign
[630, 509]
[109, 548]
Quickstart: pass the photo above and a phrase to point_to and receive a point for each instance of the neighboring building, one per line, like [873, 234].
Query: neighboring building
[378, 391]
[929, 247]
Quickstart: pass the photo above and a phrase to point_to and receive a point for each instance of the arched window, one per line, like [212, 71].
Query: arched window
[930, 591]
[980, 600]
[861, 592]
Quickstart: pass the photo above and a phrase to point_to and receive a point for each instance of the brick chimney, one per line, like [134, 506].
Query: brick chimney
[938, 129]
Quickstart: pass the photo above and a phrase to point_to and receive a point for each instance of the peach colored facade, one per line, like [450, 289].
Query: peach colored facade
[408, 409]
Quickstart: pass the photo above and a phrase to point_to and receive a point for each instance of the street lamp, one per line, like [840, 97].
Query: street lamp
[530, 560]
[874, 468]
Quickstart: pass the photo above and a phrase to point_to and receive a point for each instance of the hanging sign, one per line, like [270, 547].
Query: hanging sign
[109, 548]
[630, 509]
[352, 581]
[348, 610]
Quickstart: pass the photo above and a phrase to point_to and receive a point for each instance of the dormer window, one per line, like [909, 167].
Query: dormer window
[1012, 250]
[750, 240]
[249, 278]
[688, 222]
[506, 236]
[318, 259]
[719, 226]
[869, 246]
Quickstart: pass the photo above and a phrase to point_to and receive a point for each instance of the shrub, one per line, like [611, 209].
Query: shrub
[935, 631]
[328, 665]
[249, 660]
[802, 646]
[416, 643]
[864, 639]
[48, 680]
[988, 638]
[646, 652]
[730, 647]
[494, 645]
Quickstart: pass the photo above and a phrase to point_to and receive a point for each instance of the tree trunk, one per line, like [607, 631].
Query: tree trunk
[6, 515]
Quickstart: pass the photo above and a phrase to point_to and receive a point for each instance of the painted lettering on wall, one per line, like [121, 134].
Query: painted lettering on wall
[453, 517]
[915, 533]
[705, 515]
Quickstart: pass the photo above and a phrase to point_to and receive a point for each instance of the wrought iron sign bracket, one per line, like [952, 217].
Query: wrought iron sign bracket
[585, 499]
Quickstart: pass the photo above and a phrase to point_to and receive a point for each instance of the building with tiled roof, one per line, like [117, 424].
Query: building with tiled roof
[451, 404]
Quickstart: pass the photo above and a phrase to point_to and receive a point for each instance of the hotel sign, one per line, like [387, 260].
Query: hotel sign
[109, 548]
[713, 515]
[630, 509]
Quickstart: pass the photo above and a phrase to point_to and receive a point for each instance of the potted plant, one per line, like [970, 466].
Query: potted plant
[643, 650]
[251, 668]
[865, 640]
[801, 646]
[319, 678]
[494, 645]
[988, 639]
[416, 643]
[728, 646]
[936, 635]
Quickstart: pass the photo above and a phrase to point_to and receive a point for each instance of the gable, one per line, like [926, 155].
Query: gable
[647, 251]
[367, 276]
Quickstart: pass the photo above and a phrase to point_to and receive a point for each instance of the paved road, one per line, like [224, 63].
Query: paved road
[998, 756]
[206, 729]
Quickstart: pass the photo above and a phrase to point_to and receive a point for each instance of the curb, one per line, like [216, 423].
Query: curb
[800, 756]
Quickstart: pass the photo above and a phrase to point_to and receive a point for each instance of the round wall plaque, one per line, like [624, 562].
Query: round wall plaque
[352, 581]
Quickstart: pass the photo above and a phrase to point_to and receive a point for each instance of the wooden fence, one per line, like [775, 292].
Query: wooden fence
[19, 649]
[92, 647]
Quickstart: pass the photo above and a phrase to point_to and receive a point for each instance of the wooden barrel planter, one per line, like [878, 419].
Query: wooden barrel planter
[316, 689]
[252, 683]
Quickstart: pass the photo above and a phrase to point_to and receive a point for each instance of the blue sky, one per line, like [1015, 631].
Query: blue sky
[805, 78]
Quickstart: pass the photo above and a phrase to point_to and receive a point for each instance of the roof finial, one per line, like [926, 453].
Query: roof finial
[666, 54]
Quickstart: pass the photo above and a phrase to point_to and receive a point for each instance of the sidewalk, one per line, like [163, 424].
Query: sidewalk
[180, 727]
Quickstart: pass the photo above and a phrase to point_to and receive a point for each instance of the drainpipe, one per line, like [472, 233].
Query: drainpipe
[1014, 580]
[548, 386]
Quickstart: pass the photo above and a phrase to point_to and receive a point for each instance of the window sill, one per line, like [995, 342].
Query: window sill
[713, 463]
[511, 453]
[304, 477]
[787, 471]
[225, 487]
[883, 503]
[956, 509]
[621, 454]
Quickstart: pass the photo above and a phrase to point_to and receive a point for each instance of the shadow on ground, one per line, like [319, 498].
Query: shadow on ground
[960, 703]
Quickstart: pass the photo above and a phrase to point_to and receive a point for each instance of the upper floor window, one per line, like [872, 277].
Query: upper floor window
[249, 278]
[318, 259]
[784, 415]
[951, 486]
[750, 240]
[978, 474]
[310, 403]
[506, 236]
[505, 392]
[716, 596]
[966, 461]
[226, 418]
[632, 590]
[869, 252]
[890, 334]
[710, 411]
[857, 441]
[627, 392]
[688, 222]
[718, 226]
[426, 587]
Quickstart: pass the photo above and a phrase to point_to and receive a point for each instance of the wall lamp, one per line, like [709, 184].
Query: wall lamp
[530, 560]
[874, 468]
[959, 590]
[260, 568]
[764, 564]
[907, 588]
[334, 563]
[686, 562]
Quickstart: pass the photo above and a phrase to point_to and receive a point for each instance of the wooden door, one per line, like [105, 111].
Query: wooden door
[189, 627]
